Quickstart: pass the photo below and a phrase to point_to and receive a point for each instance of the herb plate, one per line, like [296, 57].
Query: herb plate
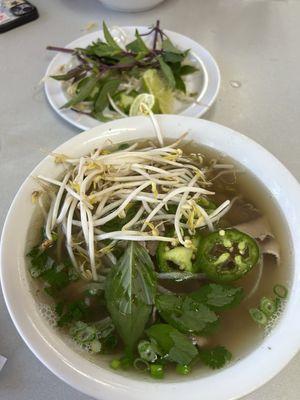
[205, 83]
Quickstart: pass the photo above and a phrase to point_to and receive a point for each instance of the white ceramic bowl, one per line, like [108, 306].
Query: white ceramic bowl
[238, 379]
[130, 5]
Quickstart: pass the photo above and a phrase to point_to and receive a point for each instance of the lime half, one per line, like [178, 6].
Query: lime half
[142, 104]
[158, 87]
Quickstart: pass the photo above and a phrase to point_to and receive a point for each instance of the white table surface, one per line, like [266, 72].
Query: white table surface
[255, 43]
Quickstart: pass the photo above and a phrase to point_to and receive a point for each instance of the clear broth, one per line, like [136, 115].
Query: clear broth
[237, 332]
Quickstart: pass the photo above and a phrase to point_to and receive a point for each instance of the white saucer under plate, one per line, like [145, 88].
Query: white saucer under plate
[206, 84]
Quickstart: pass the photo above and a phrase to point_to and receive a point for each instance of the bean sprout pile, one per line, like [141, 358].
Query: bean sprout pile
[103, 185]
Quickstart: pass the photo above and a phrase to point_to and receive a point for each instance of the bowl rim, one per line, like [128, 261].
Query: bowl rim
[272, 354]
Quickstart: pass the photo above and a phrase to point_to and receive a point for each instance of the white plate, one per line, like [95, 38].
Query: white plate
[206, 84]
[97, 379]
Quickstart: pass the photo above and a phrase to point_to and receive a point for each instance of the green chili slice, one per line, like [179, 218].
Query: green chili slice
[181, 257]
[227, 255]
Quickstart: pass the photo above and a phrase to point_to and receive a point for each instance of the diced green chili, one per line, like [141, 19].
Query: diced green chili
[258, 316]
[157, 371]
[267, 306]
[183, 369]
[115, 364]
[280, 291]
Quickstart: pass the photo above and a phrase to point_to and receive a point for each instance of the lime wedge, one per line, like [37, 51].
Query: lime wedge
[157, 86]
[137, 108]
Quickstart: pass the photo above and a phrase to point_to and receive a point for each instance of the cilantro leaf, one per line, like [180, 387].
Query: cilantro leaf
[186, 314]
[173, 343]
[183, 351]
[218, 297]
[216, 357]
[68, 313]
[129, 292]
[40, 261]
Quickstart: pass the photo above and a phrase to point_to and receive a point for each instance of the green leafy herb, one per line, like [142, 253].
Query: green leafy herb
[109, 87]
[215, 358]
[167, 72]
[186, 314]
[130, 290]
[72, 73]
[109, 39]
[175, 345]
[84, 91]
[40, 261]
[74, 311]
[188, 69]
[218, 297]
[179, 83]
[138, 46]
[167, 45]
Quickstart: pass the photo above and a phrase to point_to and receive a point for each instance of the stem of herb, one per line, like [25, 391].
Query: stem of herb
[60, 49]
[155, 35]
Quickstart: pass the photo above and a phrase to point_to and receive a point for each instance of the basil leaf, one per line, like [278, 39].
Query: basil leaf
[109, 39]
[129, 292]
[167, 45]
[127, 60]
[186, 314]
[138, 45]
[173, 57]
[180, 85]
[100, 117]
[109, 87]
[218, 297]
[84, 91]
[188, 69]
[72, 73]
[100, 49]
[174, 344]
[167, 72]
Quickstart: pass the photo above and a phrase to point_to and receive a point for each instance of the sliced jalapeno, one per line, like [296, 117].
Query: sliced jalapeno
[180, 256]
[227, 255]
